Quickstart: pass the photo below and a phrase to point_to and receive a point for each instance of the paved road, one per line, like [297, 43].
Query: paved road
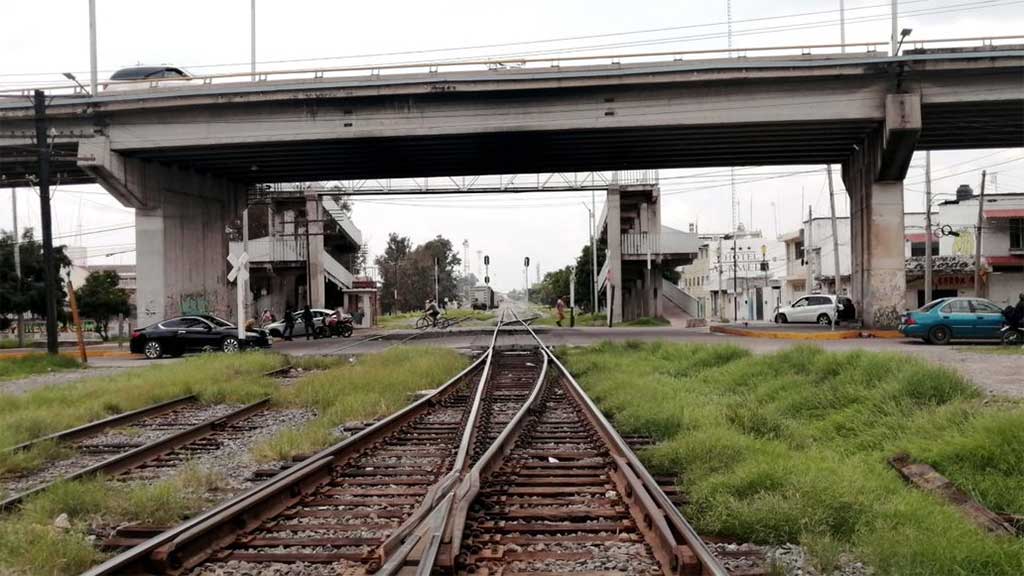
[996, 374]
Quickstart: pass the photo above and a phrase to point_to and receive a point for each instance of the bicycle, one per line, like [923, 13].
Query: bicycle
[426, 321]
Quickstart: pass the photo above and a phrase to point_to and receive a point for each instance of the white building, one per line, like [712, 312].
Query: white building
[736, 277]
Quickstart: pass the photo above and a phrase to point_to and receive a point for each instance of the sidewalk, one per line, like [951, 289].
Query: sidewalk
[799, 331]
[98, 350]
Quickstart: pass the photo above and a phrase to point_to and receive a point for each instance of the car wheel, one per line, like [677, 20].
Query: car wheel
[824, 320]
[153, 350]
[230, 345]
[780, 318]
[939, 335]
[1012, 337]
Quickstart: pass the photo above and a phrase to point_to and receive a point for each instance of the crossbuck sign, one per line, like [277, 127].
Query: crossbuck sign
[240, 276]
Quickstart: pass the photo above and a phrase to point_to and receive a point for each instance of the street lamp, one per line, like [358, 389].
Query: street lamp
[71, 77]
[903, 36]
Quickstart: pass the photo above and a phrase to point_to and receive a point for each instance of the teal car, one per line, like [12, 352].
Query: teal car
[946, 319]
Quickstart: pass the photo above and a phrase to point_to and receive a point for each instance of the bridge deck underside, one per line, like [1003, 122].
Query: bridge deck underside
[945, 127]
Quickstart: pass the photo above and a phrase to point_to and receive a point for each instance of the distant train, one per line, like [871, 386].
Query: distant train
[482, 298]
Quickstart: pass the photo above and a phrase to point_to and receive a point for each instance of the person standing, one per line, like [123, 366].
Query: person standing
[266, 318]
[560, 312]
[289, 322]
[307, 322]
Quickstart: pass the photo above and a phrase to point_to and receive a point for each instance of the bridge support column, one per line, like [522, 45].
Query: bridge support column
[614, 254]
[180, 246]
[317, 281]
[873, 176]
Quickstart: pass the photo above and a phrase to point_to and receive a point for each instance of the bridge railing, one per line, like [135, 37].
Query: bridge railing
[512, 62]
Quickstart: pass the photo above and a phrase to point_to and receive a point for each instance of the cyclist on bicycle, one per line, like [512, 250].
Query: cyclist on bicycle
[432, 310]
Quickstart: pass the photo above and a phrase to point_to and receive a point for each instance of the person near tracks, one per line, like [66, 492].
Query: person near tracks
[560, 311]
[432, 310]
[289, 323]
[307, 322]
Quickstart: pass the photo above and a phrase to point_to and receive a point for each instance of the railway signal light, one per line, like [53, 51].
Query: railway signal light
[487, 280]
[526, 262]
[487, 260]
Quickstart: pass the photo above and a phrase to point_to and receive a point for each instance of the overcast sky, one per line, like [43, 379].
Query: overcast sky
[213, 36]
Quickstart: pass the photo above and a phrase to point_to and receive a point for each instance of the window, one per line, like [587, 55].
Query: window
[929, 306]
[917, 248]
[985, 307]
[820, 301]
[957, 307]
[181, 323]
[1017, 234]
[800, 303]
[798, 250]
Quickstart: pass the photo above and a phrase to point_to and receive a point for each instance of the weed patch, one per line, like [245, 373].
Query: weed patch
[792, 447]
[374, 386]
[216, 378]
[32, 364]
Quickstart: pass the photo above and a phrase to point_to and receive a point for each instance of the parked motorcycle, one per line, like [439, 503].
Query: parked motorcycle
[336, 327]
[1012, 335]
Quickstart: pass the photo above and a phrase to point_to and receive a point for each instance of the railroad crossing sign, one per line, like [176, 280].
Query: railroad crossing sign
[240, 276]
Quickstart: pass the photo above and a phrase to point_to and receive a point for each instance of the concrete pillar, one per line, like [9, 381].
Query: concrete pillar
[873, 176]
[614, 255]
[180, 218]
[317, 278]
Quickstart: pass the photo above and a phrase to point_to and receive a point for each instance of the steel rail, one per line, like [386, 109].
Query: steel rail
[139, 456]
[218, 526]
[92, 428]
[630, 463]
[423, 547]
[435, 66]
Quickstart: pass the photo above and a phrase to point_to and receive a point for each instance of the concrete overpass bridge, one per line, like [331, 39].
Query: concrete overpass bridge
[183, 155]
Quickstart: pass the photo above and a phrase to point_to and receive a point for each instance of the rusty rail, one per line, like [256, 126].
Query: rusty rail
[93, 428]
[199, 539]
[143, 454]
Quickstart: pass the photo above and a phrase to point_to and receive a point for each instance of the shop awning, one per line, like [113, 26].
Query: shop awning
[1005, 260]
[922, 237]
[1005, 213]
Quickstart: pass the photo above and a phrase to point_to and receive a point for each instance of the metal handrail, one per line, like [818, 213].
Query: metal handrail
[434, 67]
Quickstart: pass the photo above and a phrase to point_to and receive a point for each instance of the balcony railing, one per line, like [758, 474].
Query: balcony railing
[640, 243]
[273, 249]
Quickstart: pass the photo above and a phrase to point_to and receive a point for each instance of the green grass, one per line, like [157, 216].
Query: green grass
[792, 447]
[216, 378]
[32, 364]
[9, 343]
[373, 386]
[31, 544]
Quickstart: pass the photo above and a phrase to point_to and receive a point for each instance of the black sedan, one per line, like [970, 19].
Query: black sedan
[176, 336]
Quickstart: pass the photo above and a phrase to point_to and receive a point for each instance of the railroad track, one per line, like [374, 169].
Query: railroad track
[507, 468]
[185, 430]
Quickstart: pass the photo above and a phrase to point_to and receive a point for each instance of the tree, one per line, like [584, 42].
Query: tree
[100, 299]
[389, 265]
[409, 272]
[28, 294]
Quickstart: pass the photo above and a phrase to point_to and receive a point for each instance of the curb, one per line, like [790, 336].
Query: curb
[781, 335]
[74, 354]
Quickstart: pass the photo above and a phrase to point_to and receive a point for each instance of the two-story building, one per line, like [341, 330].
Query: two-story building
[303, 248]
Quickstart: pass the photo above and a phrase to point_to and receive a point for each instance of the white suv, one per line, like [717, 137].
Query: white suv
[817, 308]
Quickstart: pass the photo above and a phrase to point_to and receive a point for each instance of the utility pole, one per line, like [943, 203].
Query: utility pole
[835, 231]
[77, 321]
[437, 292]
[895, 34]
[718, 301]
[245, 250]
[572, 296]
[735, 282]
[808, 248]
[17, 260]
[977, 239]
[93, 72]
[927, 226]
[44, 209]
[593, 247]
[842, 26]
[252, 37]
[835, 246]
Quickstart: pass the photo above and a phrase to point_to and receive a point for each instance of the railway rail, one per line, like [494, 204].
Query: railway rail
[187, 432]
[506, 468]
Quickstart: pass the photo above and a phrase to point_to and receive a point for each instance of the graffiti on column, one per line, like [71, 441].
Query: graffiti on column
[195, 303]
